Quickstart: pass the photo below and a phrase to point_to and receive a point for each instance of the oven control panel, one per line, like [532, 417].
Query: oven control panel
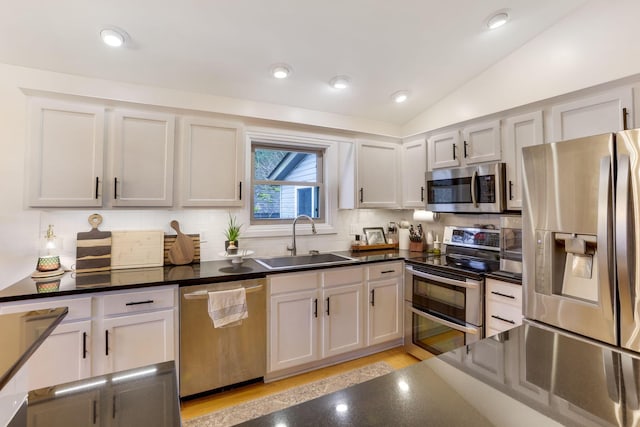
[481, 238]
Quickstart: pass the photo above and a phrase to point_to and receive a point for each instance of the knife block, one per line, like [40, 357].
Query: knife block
[416, 246]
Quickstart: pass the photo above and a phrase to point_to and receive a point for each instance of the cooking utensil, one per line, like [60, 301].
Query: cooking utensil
[182, 251]
[93, 249]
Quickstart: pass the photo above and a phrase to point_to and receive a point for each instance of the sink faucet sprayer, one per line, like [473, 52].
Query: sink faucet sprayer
[292, 248]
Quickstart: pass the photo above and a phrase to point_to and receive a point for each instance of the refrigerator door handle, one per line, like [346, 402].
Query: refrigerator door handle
[624, 231]
[605, 235]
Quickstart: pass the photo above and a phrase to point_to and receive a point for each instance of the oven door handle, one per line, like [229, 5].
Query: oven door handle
[452, 325]
[446, 280]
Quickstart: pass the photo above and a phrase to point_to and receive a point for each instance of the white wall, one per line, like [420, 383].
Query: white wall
[595, 44]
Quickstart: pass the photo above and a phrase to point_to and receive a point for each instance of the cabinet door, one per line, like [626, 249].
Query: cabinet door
[414, 166]
[607, 112]
[143, 145]
[384, 311]
[443, 150]
[481, 143]
[137, 340]
[342, 325]
[66, 143]
[63, 357]
[75, 409]
[378, 175]
[212, 164]
[521, 131]
[293, 329]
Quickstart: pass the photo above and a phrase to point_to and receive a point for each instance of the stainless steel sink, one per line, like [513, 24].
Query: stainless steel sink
[298, 261]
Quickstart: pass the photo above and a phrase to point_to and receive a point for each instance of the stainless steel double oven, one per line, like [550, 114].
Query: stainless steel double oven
[444, 294]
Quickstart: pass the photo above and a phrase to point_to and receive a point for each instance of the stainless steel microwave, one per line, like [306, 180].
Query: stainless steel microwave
[474, 189]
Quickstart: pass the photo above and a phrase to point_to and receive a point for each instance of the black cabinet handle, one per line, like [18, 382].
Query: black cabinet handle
[328, 306]
[504, 320]
[106, 342]
[95, 411]
[113, 407]
[465, 149]
[625, 114]
[361, 194]
[315, 307]
[454, 151]
[510, 190]
[97, 183]
[240, 191]
[84, 345]
[115, 188]
[387, 271]
[422, 194]
[149, 301]
[500, 294]
[373, 297]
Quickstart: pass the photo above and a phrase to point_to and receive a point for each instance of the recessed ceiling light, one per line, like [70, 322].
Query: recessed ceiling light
[497, 20]
[400, 96]
[340, 82]
[280, 71]
[113, 37]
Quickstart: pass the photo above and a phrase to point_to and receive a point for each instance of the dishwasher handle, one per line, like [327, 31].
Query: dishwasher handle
[205, 294]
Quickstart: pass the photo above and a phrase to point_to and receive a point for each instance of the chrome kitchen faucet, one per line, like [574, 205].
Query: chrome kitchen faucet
[292, 248]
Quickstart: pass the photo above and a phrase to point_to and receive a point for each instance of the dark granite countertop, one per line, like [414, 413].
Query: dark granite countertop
[530, 375]
[20, 336]
[505, 276]
[146, 396]
[184, 275]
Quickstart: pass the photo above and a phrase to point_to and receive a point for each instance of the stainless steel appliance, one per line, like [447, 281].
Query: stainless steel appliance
[444, 294]
[212, 358]
[472, 189]
[580, 216]
[511, 244]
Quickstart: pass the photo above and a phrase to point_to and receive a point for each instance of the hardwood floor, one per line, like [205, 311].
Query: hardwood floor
[395, 357]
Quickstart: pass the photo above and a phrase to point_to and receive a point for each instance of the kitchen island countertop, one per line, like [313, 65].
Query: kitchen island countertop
[529, 376]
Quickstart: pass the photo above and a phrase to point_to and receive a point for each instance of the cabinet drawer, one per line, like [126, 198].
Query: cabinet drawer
[384, 271]
[292, 282]
[341, 276]
[79, 308]
[503, 316]
[507, 293]
[131, 302]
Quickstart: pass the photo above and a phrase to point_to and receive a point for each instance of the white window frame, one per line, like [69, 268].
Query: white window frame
[294, 140]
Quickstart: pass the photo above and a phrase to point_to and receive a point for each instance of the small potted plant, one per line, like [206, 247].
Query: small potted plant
[232, 233]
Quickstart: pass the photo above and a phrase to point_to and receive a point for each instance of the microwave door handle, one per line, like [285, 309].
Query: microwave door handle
[474, 198]
[624, 252]
[456, 326]
[604, 236]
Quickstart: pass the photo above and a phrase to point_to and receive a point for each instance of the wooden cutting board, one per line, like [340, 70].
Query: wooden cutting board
[93, 249]
[135, 249]
[182, 251]
[170, 239]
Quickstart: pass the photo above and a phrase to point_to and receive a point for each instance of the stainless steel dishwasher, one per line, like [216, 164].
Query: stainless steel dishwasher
[211, 358]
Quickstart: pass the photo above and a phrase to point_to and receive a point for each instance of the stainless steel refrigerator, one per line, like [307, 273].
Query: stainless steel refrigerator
[580, 216]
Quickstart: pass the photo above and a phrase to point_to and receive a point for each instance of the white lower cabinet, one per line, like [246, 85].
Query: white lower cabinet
[384, 305]
[326, 314]
[503, 306]
[86, 343]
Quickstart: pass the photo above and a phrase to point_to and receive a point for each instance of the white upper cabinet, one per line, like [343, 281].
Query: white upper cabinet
[481, 143]
[414, 166]
[378, 177]
[66, 146]
[212, 163]
[443, 150]
[142, 172]
[521, 131]
[476, 143]
[611, 111]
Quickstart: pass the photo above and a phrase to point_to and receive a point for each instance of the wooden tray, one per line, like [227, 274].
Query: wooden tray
[359, 248]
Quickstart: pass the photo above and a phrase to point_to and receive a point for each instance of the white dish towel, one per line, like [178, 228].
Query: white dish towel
[228, 308]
